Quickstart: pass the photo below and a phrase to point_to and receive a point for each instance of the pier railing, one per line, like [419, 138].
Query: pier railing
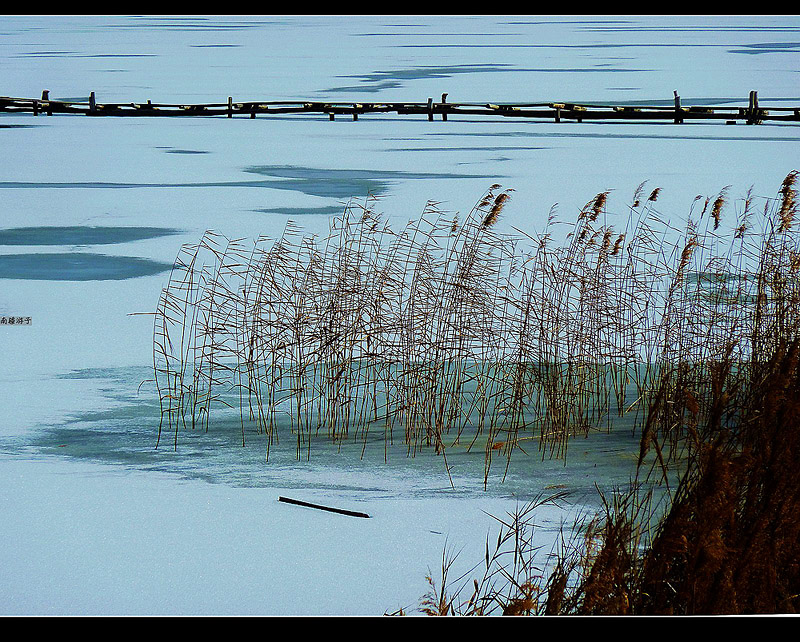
[552, 111]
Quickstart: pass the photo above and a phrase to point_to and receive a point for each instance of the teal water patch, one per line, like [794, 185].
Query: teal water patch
[80, 235]
[77, 266]
[619, 135]
[185, 151]
[126, 435]
[768, 47]
[71, 54]
[195, 26]
[527, 45]
[641, 28]
[455, 148]
[328, 210]
[390, 79]
[436, 34]
[344, 183]
[725, 288]
[377, 80]
[328, 183]
[332, 188]
[567, 22]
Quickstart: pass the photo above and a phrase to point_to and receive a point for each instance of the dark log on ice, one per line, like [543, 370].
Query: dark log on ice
[341, 511]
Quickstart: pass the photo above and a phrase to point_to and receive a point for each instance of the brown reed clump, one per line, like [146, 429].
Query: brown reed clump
[729, 542]
[725, 544]
[719, 390]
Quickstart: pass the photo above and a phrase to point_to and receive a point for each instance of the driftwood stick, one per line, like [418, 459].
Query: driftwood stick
[341, 511]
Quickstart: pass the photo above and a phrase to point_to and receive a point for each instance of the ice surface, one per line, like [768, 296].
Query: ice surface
[105, 524]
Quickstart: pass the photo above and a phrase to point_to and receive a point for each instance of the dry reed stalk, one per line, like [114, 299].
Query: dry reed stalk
[451, 330]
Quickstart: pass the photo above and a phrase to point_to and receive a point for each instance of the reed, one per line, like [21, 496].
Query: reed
[455, 332]
[720, 429]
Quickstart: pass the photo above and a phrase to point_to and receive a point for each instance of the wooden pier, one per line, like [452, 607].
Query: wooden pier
[753, 114]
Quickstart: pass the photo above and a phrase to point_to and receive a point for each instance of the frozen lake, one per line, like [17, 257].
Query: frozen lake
[93, 519]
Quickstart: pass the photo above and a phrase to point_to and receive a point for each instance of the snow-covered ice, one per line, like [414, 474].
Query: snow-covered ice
[96, 521]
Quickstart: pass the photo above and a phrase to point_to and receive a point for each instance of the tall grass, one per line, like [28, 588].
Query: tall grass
[451, 332]
[725, 544]
[723, 400]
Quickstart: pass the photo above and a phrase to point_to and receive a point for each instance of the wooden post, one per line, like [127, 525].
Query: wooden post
[678, 112]
[330, 115]
[230, 107]
[444, 112]
[752, 110]
[558, 114]
[355, 113]
[92, 103]
[430, 109]
[35, 107]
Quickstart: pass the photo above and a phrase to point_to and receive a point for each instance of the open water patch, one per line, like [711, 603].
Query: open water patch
[72, 54]
[455, 148]
[185, 151]
[378, 80]
[80, 235]
[768, 47]
[344, 183]
[127, 433]
[77, 266]
[327, 183]
[325, 210]
[619, 135]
